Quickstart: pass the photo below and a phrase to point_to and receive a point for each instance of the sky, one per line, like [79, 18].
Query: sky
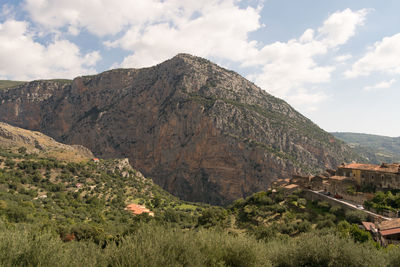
[337, 62]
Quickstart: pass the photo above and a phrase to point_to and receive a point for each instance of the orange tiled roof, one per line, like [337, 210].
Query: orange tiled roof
[390, 231]
[291, 186]
[368, 225]
[138, 209]
[384, 167]
[386, 225]
[339, 178]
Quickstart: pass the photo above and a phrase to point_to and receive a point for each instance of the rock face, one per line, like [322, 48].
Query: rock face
[202, 132]
[35, 142]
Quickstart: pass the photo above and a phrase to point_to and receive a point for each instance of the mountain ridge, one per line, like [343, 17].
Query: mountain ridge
[378, 148]
[15, 138]
[200, 131]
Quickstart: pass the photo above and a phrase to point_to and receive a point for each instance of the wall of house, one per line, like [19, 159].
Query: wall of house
[380, 180]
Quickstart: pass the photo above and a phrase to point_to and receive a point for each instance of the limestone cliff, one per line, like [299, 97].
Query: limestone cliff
[202, 132]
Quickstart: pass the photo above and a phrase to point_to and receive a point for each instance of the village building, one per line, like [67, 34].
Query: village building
[384, 176]
[290, 188]
[385, 232]
[353, 176]
[139, 209]
[303, 181]
[317, 182]
[339, 185]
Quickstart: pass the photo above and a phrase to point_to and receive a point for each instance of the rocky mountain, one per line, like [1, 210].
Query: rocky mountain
[18, 139]
[200, 131]
[375, 147]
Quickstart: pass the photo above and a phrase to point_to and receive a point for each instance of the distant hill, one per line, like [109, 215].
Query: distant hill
[377, 148]
[15, 138]
[9, 84]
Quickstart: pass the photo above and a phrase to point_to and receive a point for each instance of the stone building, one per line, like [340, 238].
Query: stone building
[384, 176]
[338, 185]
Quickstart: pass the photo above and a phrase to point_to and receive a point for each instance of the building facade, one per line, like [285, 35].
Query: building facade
[384, 176]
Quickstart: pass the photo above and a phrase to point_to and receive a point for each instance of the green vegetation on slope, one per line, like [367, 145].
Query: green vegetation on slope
[76, 197]
[4, 84]
[44, 203]
[9, 84]
[384, 201]
[377, 148]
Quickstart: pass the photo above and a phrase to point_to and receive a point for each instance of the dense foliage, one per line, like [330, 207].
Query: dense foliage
[75, 197]
[152, 245]
[55, 213]
[384, 201]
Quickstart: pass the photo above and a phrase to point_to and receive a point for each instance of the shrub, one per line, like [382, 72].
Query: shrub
[355, 216]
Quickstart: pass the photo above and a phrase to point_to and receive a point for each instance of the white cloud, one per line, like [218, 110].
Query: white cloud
[219, 30]
[381, 85]
[98, 17]
[340, 26]
[305, 97]
[286, 67]
[343, 58]
[383, 57]
[155, 30]
[22, 58]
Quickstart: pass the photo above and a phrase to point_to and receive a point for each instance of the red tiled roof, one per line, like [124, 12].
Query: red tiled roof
[392, 168]
[368, 225]
[390, 232]
[138, 209]
[386, 225]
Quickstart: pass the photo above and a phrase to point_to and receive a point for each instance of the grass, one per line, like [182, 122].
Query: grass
[4, 84]
[186, 207]
[60, 80]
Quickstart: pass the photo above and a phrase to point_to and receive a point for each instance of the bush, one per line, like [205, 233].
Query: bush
[323, 249]
[213, 217]
[151, 245]
[323, 205]
[355, 216]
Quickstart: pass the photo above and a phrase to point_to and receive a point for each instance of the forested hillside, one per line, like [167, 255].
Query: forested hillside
[58, 213]
[377, 148]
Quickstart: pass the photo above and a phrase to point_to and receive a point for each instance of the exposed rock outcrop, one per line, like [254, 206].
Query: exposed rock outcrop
[200, 131]
[35, 142]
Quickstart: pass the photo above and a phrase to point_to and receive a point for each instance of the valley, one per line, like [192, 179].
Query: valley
[217, 149]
